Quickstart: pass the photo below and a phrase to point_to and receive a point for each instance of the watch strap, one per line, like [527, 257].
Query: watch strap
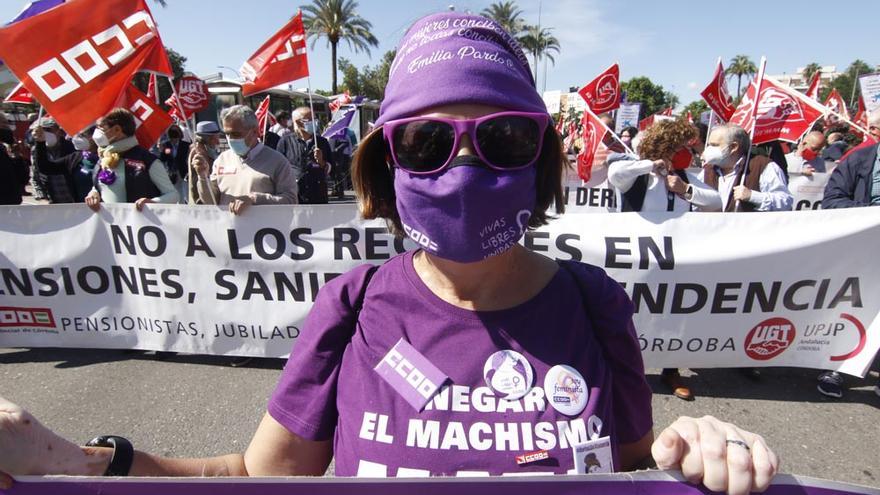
[123, 453]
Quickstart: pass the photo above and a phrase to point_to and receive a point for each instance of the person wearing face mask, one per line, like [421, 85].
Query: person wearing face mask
[174, 153]
[282, 124]
[202, 154]
[127, 172]
[764, 187]
[249, 172]
[660, 181]
[506, 351]
[627, 135]
[57, 147]
[310, 156]
[807, 158]
[77, 168]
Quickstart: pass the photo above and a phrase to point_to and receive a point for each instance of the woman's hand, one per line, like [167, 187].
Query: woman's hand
[93, 200]
[718, 454]
[139, 204]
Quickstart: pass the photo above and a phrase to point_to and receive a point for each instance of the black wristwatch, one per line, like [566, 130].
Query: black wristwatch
[123, 453]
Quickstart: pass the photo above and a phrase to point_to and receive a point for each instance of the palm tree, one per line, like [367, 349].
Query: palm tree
[741, 65]
[507, 15]
[539, 43]
[338, 20]
[809, 70]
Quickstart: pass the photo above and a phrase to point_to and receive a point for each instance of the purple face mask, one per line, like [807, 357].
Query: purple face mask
[466, 212]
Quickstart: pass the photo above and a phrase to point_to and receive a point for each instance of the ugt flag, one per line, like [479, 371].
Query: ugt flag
[813, 90]
[835, 103]
[717, 96]
[603, 93]
[593, 133]
[149, 117]
[782, 114]
[280, 60]
[79, 71]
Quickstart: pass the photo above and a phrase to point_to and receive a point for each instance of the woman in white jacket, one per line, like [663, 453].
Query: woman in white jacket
[659, 181]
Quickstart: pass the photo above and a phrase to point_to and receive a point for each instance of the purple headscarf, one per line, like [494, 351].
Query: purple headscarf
[458, 58]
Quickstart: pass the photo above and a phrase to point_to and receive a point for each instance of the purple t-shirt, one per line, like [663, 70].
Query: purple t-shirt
[329, 388]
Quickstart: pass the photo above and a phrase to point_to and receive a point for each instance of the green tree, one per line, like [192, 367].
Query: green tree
[741, 65]
[178, 65]
[696, 108]
[539, 43]
[652, 96]
[847, 84]
[672, 99]
[338, 20]
[369, 81]
[811, 69]
[508, 16]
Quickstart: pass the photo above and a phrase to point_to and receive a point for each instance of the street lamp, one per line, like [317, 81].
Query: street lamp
[230, 69]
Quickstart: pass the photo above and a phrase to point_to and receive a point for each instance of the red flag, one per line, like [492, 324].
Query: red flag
[603, 93]
[836, 104]
[343, 99]
[717, 96]
[152, 92]
[78, 72]
[813, 90]
[193, 94]
[594, 133]
[151, 120]
[20, 94]
[646, 122]
[174, 109]
[690, 118]
[280, 60]
[667, 112]
[264, 116]
[782, 113]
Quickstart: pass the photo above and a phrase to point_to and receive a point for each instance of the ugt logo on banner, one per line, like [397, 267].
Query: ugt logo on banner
[193, 94]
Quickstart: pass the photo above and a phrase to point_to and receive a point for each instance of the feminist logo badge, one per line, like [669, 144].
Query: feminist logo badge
[509, 374]
[566, 390]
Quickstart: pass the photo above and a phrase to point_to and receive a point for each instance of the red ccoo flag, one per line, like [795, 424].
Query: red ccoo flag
[151, 120]
[594, 133]
[717, 96]
[265, 119]
[835, 103]
[280, 60]
[603, 93]
[80, 71]
[20, 94]
[813, 90]
[782, 113]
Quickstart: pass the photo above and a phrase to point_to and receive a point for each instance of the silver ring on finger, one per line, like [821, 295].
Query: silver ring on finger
[740, 443]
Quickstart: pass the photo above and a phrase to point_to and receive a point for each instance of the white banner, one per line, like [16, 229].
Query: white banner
[710, 290]
[575, 101]
[808, 190]
[870, 86]
[552, 99]
[627, 116]
[595, 196]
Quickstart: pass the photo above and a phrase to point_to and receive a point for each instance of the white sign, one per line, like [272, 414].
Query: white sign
[870, 86]
[808, 190]
[709, 289]
[576, 102]
[553, 99]
[627, 116]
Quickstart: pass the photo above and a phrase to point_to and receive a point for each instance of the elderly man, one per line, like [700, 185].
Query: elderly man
[854, 183]
[837, 147]
[807, 158]
[310, 156]
[248, 173]
[724, 159]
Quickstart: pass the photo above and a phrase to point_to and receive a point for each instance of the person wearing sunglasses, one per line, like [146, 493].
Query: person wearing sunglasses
[470, 356]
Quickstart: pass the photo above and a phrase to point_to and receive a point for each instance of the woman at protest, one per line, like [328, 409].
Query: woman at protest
[659, 181]
[128, 173]
[77, 168]
[513, 363]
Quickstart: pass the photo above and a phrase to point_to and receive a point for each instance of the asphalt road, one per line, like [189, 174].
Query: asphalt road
[200, 406]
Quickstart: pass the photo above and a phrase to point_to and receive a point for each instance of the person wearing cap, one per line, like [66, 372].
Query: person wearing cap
[128, 173]
[470, 354]
[205, 149]
[174, 153]
[57, 146]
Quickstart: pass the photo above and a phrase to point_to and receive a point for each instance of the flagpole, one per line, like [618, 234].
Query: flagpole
[609, 131]
[179, 105]
[760, 82]
[311, 104]
[268, 109]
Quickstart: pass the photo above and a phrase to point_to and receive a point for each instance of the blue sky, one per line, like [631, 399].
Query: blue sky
[674, 42]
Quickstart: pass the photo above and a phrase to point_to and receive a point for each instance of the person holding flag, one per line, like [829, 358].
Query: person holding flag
[128, 173]
[464, 160]
[310, 156]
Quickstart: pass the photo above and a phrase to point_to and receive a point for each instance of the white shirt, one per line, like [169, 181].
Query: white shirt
[622, 174]
[281, 131]
[796, 163]
[773, 196]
